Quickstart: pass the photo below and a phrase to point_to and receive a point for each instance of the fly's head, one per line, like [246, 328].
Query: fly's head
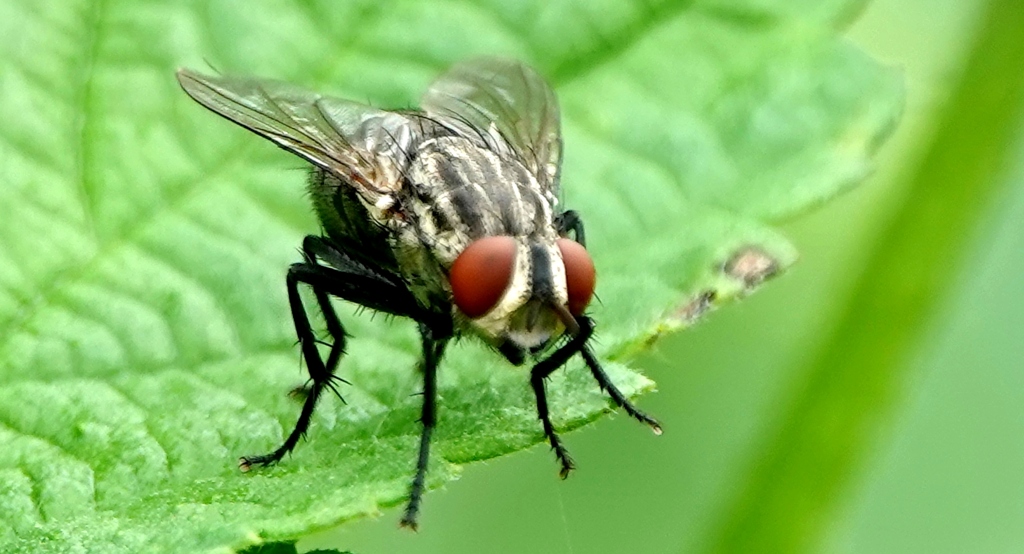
[481, 213]
[522, 293]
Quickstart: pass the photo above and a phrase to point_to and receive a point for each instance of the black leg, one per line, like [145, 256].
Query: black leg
[539, 373]
[578, 343]
[433, 350]
[569, 220]
[357, 284]
[616, 395]
[312, 247]
[319, 375]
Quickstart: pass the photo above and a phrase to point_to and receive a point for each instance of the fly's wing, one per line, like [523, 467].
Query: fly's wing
[362, 145]
[496, 96]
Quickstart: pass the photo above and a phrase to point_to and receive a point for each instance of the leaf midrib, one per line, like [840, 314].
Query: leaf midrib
[83, 100]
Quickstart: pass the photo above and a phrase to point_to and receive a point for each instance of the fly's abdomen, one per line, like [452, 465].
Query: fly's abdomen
[345, 218]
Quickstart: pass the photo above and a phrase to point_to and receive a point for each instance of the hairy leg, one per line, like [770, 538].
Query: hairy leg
[433, 351]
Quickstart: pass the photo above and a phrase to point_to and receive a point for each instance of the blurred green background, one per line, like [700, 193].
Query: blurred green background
[943, 469]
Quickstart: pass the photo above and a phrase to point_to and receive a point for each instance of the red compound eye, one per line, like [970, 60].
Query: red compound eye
[481, 274]
[580, 275]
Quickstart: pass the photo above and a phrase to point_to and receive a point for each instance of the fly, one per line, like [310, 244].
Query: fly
[447, 215]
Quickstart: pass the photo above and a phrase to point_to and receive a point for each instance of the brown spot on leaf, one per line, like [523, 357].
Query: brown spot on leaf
[696, 307]
[752, 265]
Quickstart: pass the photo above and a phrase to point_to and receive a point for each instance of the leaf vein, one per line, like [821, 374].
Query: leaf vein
[83, 101]
[614, 46]
[130, 235]
[7, 424]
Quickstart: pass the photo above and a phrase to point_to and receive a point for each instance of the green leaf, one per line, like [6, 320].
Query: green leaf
[145, 341]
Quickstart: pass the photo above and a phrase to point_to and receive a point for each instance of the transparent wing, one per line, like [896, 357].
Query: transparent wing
[363, 145]
[496, 95]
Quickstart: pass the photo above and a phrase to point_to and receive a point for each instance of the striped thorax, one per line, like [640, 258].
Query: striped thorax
[459, 191]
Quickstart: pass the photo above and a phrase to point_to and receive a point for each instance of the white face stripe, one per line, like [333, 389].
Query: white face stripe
[495, 322]
[499, 321]
[558, 282]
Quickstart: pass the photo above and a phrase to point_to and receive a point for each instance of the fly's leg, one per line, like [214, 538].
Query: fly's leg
[557, 359]
[348, 280]
[616, 395]
[433, 350]
[312, 248]
[540, 372]
[319, 375]
[569, 220]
